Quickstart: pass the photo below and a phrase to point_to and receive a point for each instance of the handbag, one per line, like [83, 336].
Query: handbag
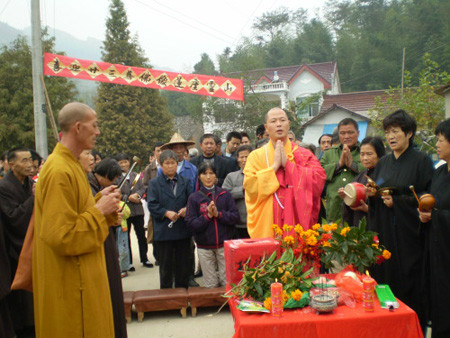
[23, 278]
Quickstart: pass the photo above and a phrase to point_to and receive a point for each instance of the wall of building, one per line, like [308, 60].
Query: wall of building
[304, 85]
[315, 130]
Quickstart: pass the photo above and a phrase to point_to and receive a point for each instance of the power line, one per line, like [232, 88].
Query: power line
[4, 7]
[383, 68]
[183, 22]
[195, 19]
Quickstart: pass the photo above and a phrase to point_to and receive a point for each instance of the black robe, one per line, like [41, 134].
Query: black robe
[399, 227]
[438, 253]
[16, 207]
[113, 270]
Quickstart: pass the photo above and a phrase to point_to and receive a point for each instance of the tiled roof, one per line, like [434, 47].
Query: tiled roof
[356, 102]
[324, 69]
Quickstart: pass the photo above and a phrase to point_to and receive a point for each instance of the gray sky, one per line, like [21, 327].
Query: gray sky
[173, 33]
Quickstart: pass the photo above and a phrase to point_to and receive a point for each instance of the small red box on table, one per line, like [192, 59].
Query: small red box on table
[238, 251]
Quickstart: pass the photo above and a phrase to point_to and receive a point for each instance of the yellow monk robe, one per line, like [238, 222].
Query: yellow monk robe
[289, 196]
[70, 284]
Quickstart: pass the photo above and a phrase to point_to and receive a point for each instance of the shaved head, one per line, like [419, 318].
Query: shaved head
[71, 113]
[272, 111]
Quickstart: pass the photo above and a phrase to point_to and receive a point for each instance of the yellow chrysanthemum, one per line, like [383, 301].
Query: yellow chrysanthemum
[298, 229]
[268, 303]
[278, 231]
[333, 226]
[386, 254]
[285, 296]
[316, 226]
[326, 228]
[344, 231]
[375, 245]
[326, 243]
[280, 270]
[311, 241]
[289, 240]
[296, 295]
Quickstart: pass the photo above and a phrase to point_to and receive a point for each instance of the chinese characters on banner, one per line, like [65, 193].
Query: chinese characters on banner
[216, 86]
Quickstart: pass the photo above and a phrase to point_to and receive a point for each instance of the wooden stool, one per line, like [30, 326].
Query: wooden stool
[160, 300]
[128, 301]
[205, 297]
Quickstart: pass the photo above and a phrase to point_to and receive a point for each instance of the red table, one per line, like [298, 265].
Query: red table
[344, 322]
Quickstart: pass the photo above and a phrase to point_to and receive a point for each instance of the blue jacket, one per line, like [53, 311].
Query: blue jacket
[188, 170]
[160, 199]
[210, 233]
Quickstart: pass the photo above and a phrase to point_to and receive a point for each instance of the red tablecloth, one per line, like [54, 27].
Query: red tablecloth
[344, 322]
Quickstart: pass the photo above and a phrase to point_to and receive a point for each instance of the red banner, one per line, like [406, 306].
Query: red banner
[216, 86]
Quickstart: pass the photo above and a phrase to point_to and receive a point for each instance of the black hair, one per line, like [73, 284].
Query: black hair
[108, 168]
[167, 155]
[329, 135]
[403, 120]
[245, 147]
[158, 145]
[234, 134]
[35, 156]
[244, 134]
[96, 153]
[217, 139]
[122, 156]
[204, 136]
[12, 153]
[260, 130]
[205, 165]
[347, 121]
[443, 128]
[377, 143]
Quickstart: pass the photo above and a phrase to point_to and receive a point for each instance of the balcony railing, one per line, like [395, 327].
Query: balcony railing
[270, 87]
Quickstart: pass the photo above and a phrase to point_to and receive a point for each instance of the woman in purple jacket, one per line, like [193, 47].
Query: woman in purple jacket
[211, 215]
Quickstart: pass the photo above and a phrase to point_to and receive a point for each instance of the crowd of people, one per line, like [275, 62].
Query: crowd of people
[186, 204]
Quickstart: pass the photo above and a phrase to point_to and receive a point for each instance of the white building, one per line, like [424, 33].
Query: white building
[283, 85]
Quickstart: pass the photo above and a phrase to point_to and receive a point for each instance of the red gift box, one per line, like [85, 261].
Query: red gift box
[238, 251]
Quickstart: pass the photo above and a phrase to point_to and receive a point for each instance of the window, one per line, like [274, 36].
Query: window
[307, 106]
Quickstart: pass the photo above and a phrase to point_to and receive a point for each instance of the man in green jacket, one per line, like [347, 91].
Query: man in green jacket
[341, 164]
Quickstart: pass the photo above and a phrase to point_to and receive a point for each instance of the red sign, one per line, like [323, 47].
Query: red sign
[216, 86]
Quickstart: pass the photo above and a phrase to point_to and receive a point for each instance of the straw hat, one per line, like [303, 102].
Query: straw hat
[177, 139]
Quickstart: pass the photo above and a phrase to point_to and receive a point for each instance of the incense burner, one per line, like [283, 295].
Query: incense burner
[323, 303]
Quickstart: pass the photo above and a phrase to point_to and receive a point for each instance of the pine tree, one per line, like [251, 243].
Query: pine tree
[131, 118]
[16, 94]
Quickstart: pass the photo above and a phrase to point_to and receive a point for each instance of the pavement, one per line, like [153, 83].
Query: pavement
[164, 324]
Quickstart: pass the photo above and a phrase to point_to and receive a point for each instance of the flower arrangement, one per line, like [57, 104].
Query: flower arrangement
[288, 269]
[354, 246]
[308, 243]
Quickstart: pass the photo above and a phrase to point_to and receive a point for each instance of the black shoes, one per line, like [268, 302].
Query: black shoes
[132, 268]
[148, 264]
[198, 274]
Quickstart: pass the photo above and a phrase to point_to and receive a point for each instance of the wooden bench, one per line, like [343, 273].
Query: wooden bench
[160, 300]
[128, 302]
[205, 297]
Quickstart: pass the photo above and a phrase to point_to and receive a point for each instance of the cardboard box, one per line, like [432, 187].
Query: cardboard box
[238, 251]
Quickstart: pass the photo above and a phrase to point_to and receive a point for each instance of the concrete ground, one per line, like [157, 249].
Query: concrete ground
[170, 323]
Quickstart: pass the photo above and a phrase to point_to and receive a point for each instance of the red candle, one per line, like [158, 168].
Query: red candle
[276, 290]
[368, 293]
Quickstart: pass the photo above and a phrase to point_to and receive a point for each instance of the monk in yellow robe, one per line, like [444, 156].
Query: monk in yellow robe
[282, 181]
[70, 284]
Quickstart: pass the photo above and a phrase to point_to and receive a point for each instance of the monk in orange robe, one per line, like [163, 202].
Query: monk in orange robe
[282, 181]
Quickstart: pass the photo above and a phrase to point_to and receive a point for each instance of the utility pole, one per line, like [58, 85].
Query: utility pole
[40, 118]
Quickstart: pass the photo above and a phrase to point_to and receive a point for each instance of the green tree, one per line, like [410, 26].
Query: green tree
[205, 66]
[16, 94]
[131, 119]
[421, 101]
